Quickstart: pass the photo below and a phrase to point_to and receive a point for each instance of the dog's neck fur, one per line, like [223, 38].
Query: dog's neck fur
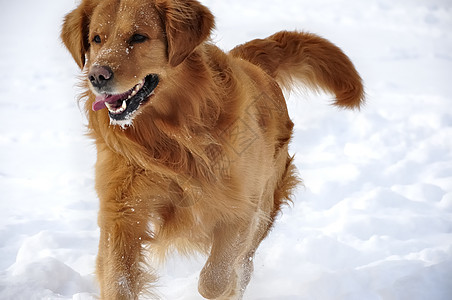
[160, 137]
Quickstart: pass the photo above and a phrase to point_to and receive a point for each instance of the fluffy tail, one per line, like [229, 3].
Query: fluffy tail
[317, 63]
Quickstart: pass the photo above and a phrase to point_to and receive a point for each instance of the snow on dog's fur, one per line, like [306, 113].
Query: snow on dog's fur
[192, 142]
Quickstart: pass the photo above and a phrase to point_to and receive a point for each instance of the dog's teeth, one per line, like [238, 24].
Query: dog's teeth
[118, 110]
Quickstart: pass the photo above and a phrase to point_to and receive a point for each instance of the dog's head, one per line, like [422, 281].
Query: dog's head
[127, 47]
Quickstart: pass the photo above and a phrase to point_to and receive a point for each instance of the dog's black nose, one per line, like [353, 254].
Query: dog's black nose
[100, 76]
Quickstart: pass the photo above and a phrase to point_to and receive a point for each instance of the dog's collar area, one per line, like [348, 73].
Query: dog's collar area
[123, 106]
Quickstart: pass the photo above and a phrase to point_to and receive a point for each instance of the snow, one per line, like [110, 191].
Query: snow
[373, 220]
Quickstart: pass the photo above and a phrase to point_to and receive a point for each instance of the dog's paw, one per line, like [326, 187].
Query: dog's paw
[215, 281]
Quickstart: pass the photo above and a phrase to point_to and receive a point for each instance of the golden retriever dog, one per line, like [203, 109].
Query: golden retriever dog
[192, 142]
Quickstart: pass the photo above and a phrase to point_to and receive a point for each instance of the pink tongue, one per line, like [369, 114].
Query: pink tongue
[99, 103]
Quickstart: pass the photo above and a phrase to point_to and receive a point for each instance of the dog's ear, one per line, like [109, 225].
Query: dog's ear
[187, 23]
[75, 31]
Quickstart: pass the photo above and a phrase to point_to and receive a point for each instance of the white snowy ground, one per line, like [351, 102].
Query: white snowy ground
[374, 220]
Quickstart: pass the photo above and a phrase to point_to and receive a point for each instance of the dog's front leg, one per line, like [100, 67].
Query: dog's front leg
[219, 277]
[121, 268]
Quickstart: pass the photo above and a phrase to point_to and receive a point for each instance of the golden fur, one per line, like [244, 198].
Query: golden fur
[204, 166]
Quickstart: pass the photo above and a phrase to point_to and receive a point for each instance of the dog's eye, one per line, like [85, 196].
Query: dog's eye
[138, 38]
[97, 39]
